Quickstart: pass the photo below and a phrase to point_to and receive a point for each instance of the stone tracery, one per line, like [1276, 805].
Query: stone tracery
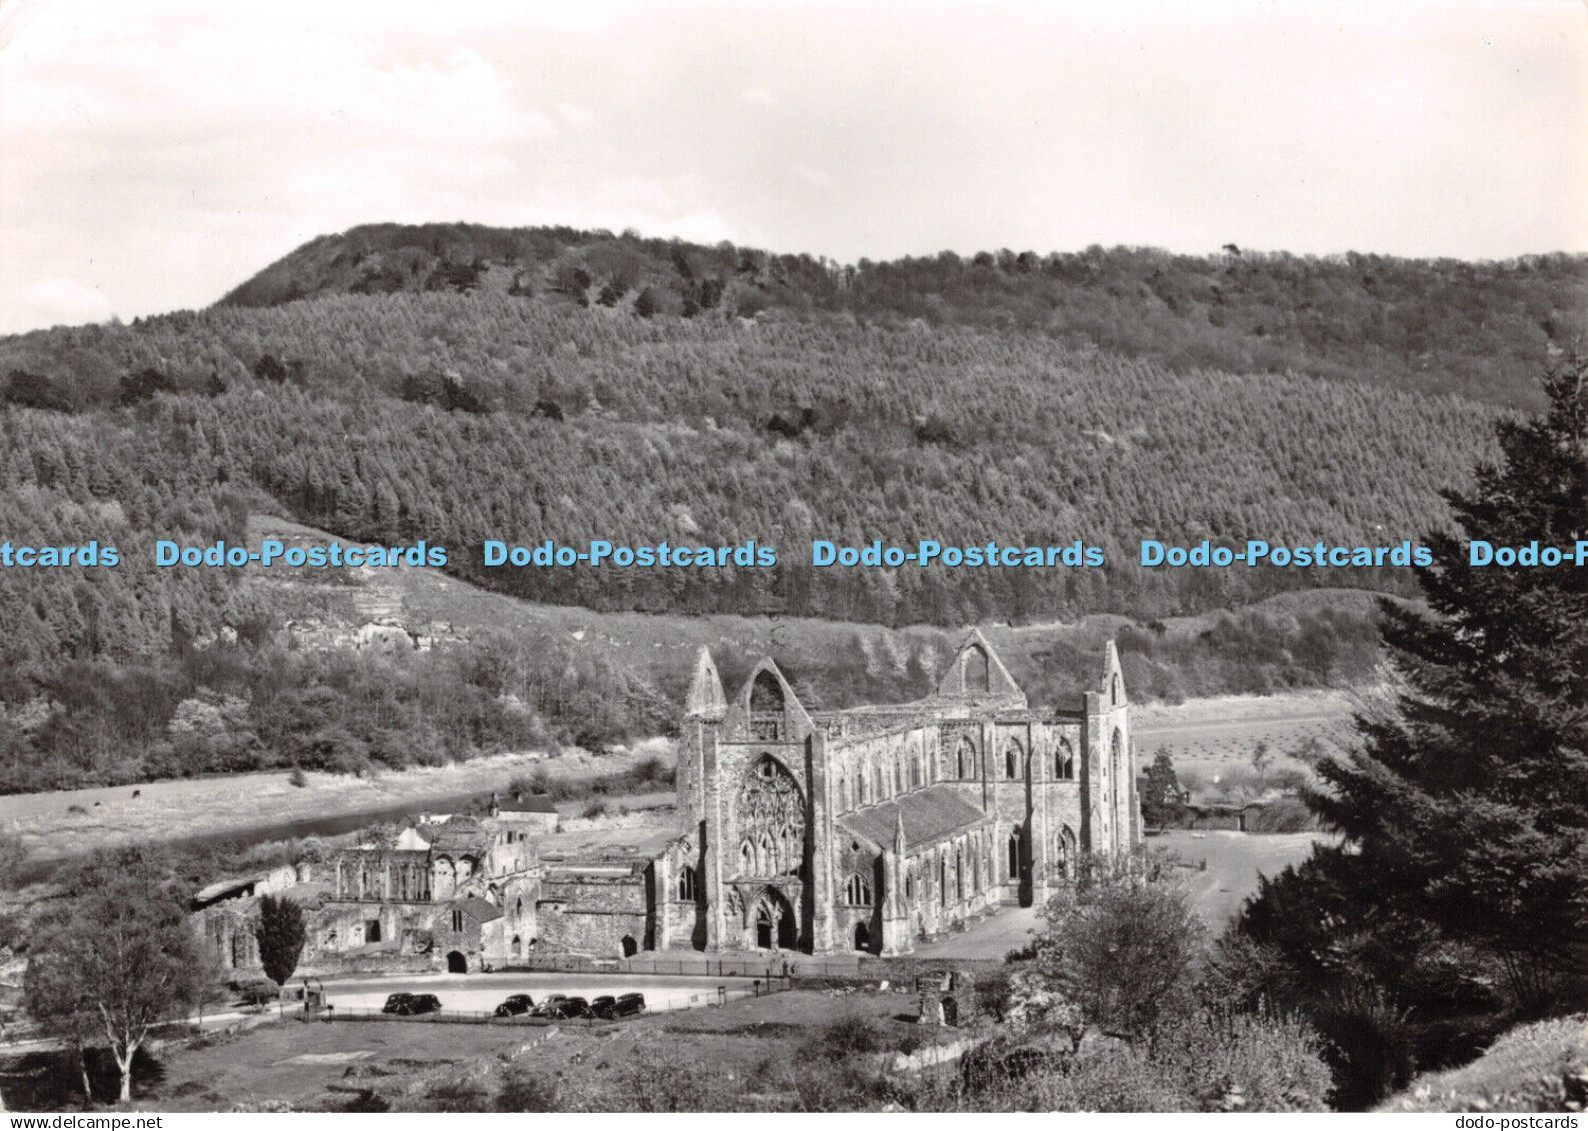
[771, 813]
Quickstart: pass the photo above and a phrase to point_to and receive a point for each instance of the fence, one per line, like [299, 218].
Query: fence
[720, 995]
[727, 966]
[858, 968]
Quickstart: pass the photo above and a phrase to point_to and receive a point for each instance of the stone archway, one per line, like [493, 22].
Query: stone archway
[773, 922]
[457, 963]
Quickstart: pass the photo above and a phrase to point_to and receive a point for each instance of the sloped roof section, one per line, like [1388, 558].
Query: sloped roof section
[459, 834]
[480, 910]
[928, 816]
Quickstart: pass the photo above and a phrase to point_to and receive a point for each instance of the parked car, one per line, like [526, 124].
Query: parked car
[631, 1005]
[569, 1008]
[421, 1003]
[397, 1003]
[547, 1005]
[605, 1007]
[515, 1005]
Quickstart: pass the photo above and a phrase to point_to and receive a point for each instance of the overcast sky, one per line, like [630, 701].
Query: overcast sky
[155, 153]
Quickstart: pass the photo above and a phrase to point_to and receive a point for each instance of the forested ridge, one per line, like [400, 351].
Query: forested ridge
[527, 411]
[1481, 329]
[587, 425]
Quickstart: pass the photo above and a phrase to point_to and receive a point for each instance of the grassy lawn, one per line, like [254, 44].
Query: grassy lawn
[1234, 861]
[751, 1045]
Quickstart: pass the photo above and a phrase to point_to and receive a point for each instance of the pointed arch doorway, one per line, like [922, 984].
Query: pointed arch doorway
[773, 922]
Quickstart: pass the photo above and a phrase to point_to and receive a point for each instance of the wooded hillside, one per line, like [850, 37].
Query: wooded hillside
[1443, 326]
[527, 386]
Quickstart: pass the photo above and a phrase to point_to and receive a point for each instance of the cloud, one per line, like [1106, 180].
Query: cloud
[55, 300]
[156, 154]
[811, 176]
[576, 116]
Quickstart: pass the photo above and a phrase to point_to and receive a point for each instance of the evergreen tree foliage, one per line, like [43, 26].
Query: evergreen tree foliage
[1161, 801]
[1465, 812]
[281, 935]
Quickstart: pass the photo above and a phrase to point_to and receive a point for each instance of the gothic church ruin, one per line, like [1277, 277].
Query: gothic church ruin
[864, 829]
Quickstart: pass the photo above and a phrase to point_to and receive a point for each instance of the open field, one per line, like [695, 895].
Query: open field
[267, 806]
[1213, 735]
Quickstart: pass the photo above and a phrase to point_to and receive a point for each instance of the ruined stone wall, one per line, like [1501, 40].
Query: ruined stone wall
[586, 914]
[880, 767]
[454, 931]
[951, 881]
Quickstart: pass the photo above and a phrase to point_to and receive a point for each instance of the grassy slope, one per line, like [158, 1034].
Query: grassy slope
[663, 646]
[1524, 1071]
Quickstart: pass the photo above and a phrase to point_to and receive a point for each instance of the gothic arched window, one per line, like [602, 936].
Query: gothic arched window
[965, 759]
[857, 891]
[977, 670]
[771, 813]
[1063, 761]
[1012, 758]
[767, 716]
[686, 884]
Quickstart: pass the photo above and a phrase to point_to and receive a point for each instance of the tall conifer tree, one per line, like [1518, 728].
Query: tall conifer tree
[281, 934]
[1467, 809]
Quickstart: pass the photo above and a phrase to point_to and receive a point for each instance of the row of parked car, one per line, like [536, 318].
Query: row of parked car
[556, 1007]
[560, 1007]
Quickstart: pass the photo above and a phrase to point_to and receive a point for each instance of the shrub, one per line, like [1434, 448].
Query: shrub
[847, 1037]
[297, 778]
[1121, 944]
[367, 1101]
[1370, 1044]
[843, 1086]
[1112, 1079]
[258, 992]
[457, 1095]
[1244, 1061]
[655, 1079]
[1282, 815]
[523, 1090]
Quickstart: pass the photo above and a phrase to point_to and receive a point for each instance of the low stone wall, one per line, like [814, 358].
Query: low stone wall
[338, 965]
